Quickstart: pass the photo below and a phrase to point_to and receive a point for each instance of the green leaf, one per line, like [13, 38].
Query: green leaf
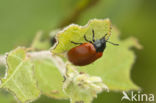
[20, 80]
[50, 80]
[76, 33]
[115, 65]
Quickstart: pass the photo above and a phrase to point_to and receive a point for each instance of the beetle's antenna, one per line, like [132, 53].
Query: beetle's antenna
[105, 36]
[93, 35]
[112, 43]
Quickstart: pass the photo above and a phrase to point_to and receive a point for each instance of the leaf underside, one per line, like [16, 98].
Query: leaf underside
[20, 78]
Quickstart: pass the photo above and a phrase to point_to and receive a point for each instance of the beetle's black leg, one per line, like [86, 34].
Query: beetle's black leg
[87, 39]
[75, 42]
[112, 43]
[93, 35]
[64, 78]
[105, 36]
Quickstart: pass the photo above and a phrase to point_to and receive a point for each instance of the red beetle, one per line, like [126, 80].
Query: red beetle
[88, 52]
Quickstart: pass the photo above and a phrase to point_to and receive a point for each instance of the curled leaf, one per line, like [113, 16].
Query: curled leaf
[80, 87]
[76, 34]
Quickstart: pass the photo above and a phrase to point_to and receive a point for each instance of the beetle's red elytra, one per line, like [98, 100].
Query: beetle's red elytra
[87, 53]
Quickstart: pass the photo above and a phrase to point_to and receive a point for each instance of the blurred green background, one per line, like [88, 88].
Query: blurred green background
[21, 19]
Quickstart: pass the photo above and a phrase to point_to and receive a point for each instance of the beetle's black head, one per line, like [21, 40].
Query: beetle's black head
[100, 45]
